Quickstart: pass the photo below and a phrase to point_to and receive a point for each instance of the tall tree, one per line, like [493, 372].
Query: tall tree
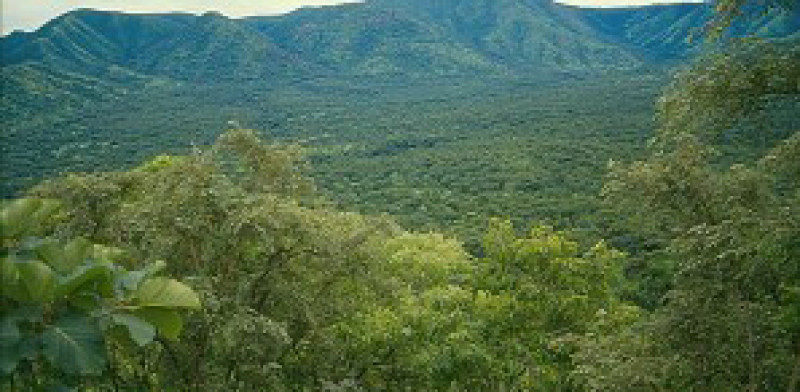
[720, 190]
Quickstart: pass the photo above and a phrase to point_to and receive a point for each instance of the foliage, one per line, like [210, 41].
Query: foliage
[399, 101]
[561, 293]
[273, 263]
[729, 87]
[730, 231]
[507, 321]
[727, 12]
[336, 300]
[300, 296]
[64, 303]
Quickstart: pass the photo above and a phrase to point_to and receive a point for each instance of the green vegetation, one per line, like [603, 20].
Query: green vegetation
[533, 150]
[325, 298]
[729, 231]
[536, 239]
[68, 307]
[383, 94]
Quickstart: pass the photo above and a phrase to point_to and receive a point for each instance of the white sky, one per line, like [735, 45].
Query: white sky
[30, 14]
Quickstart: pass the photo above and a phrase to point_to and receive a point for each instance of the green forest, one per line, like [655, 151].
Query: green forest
[501, 233]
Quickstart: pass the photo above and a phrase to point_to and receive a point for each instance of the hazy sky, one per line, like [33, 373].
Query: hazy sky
[30, 14]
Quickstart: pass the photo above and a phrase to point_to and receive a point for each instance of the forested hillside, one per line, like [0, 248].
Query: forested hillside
[441, 195]
[395, 100]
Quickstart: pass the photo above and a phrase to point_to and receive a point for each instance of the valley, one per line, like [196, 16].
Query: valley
[440, 115]
[442, 154]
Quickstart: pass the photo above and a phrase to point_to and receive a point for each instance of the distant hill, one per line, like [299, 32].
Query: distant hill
[179, 46]
[378, 37]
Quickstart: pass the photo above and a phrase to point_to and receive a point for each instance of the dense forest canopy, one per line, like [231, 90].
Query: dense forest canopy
[518, 234]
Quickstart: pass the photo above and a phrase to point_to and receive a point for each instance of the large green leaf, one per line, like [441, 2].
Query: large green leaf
[167, 321]
[15, 345]
[75, 345]
[10, 285]
[76, 252]
[14, 218]
[46, 210]
[65, 257]
[131, 280]
[166, 293]
[25, 215]
[51, 252]
[85, 274]
[38, 279]
[139, 330]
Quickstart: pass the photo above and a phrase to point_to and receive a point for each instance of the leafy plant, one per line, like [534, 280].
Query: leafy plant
[61, 303]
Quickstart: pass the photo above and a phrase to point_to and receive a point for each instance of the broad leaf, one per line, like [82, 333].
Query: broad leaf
[46, 209]
[167, 321]
[65, 258]
[76, 252]
[25, 215]
[132, 279]
[25, 347]
[15, 217]
[51, 252]
[10, 284]
[75, 345]
[38, 279]
[139, 330]
[67, 285]
[166, 293]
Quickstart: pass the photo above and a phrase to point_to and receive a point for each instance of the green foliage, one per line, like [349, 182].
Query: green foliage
[273, 264]
[560, 293]
[731, 86]
[337, 300]
[300, 296]
[507, 321]
[64, 302]
[398, 100]
[727, 12]
[729, 229]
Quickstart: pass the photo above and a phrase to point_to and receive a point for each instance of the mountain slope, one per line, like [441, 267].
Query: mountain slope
[180, 46]
[522, 33]
[673, 31]
[446, 35]
[370, 39]
[378, 37]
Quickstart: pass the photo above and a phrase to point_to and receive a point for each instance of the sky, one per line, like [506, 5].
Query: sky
[29, 15]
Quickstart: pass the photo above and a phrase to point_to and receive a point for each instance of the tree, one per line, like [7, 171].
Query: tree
[274, 263]
[720, 192]
[726, 12]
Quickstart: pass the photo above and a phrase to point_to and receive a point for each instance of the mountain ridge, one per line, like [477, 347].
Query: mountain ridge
[378, 37]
